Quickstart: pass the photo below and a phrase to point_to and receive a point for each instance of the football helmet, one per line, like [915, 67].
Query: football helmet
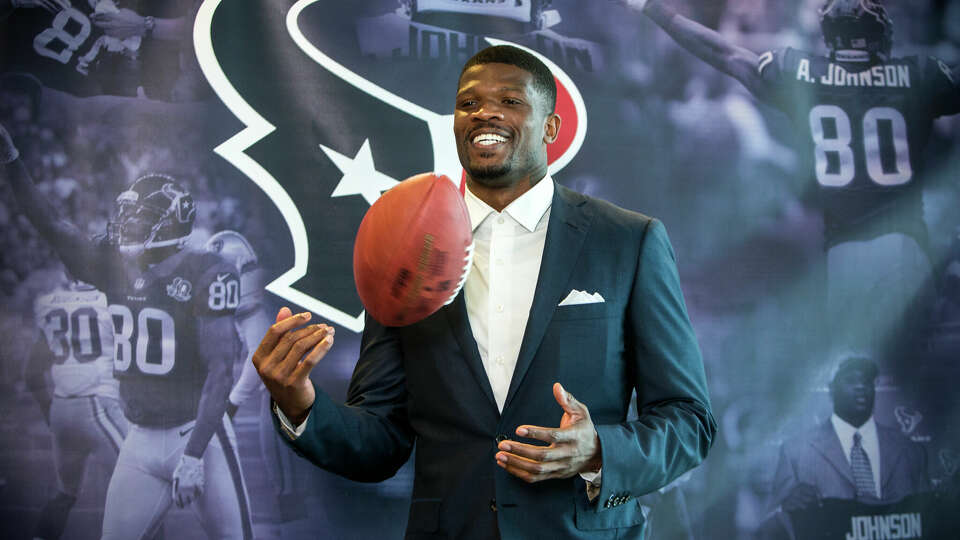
[155, 212]
[235, 248]
[856, 25]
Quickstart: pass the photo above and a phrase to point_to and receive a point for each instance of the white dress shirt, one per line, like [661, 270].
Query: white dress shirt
[868, 440]
[507, 248]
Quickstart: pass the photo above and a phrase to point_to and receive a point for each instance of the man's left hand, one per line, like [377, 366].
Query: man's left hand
[574, 446]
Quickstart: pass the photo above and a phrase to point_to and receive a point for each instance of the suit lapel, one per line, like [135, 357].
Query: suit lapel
[460, 326]
[890, 453]
[828, 444]
[566, 230]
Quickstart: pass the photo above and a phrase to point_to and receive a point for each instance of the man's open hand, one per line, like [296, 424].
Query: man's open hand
[286, 356]
[574, 446]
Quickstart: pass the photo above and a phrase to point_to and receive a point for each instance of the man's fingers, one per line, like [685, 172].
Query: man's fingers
[545, 434]
[284, 313]
[302, 346]
[316, 354]
[277, 331]
[290, 344]
[525, 469]
[534, 453]
[566, 400]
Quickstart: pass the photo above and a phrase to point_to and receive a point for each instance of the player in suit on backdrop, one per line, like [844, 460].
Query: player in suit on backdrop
[823, 463]
[565, 289]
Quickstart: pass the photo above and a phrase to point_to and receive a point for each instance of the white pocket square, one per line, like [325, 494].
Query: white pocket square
[580, 297]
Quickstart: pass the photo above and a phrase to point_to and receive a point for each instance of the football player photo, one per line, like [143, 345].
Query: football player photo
[176, 343]
[863, 117]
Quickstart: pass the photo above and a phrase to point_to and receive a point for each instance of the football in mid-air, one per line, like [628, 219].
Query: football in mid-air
[413, 250]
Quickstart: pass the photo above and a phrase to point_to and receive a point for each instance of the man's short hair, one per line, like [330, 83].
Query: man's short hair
[543, 81]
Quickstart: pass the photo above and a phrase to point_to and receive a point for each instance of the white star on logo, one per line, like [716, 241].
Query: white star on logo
[360, 176]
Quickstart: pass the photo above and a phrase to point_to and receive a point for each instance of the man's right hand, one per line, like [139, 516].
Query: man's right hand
[286, 356]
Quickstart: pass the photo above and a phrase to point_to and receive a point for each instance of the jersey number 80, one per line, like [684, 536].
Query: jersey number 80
[884, 133]
[149, 340]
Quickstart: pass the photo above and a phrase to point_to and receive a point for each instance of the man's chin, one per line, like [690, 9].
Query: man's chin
[490, 175]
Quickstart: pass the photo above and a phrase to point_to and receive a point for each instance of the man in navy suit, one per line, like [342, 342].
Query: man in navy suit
[567, 293]
[824, 463]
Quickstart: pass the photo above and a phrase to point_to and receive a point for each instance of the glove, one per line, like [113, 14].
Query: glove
[187, 480]
[8, 152]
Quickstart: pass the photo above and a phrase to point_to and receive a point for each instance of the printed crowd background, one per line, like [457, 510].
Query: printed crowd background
[668, 135]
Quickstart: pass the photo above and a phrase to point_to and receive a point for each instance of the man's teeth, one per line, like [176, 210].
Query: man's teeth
[487, 139]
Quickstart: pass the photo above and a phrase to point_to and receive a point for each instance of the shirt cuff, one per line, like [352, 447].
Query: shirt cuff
[593, 480]
[293, 433]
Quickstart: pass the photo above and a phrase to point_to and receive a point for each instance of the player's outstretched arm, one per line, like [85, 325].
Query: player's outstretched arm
[65, 238]
[706, 44]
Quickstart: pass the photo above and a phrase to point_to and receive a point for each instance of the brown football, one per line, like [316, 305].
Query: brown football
[413, 250]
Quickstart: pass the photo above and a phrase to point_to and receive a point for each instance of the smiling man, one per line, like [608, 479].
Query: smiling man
[568, 296]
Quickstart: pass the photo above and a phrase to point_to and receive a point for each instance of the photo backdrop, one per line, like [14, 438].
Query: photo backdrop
[285, 121]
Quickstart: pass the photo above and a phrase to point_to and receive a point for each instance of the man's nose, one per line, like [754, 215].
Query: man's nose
[488, 111]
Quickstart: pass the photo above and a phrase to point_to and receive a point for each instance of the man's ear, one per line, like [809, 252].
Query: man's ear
[551, 128]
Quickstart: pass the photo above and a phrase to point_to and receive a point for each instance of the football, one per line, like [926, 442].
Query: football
[413, 250]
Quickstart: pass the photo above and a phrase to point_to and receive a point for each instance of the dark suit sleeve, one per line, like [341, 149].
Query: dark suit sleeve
[675, 428]
[369, 438]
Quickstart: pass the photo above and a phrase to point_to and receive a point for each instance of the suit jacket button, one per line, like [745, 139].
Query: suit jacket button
[493, 505]
[501, 437]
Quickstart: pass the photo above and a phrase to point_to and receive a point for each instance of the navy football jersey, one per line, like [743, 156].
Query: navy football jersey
[157, 328]
[864, 126]
[66, 51]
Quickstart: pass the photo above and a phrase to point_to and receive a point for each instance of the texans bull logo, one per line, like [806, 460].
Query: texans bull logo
[323, 142]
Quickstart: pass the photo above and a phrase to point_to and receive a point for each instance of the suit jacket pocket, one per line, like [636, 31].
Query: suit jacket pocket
[596, 310]
[592, 516]
[424, 516]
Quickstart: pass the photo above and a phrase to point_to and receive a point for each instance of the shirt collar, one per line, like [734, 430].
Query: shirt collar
[527, 209]
[845, 431]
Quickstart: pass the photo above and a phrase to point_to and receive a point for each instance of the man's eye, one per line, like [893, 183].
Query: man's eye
[511, 101]
[468, 103]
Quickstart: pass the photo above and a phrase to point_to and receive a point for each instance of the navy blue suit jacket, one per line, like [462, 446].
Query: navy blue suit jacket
[425, 384]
